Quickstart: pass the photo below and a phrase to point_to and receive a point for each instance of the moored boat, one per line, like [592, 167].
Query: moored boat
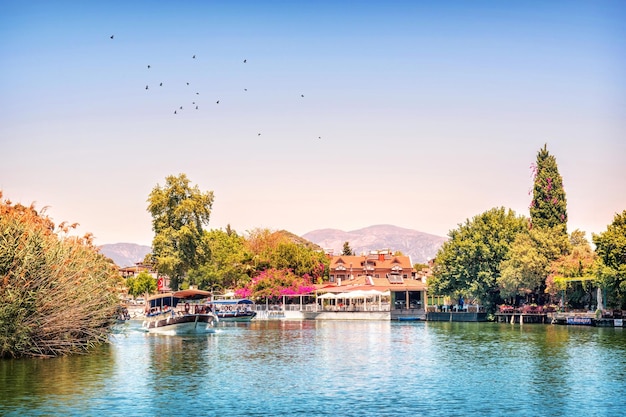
[180, 312]
[238, 310]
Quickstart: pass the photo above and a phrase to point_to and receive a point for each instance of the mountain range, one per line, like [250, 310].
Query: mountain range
[419, 246]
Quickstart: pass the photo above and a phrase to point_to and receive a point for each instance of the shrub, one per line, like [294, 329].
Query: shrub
[58, 294]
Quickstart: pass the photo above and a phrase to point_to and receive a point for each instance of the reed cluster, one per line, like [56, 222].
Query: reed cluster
[58, 294]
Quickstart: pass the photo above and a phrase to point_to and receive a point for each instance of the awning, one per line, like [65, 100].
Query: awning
[192, 294]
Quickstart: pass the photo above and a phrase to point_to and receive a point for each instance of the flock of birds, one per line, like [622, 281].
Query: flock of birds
[194, 103]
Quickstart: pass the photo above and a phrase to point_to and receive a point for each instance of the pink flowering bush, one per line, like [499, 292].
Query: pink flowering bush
[274, 283]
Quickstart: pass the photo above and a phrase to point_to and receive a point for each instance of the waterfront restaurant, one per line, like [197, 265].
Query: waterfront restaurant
[378, 281]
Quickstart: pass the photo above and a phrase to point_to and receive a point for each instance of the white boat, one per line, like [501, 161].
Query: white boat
[234, 309]
[180, 312]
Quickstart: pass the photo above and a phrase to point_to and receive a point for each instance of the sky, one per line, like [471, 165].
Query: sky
[331, 114]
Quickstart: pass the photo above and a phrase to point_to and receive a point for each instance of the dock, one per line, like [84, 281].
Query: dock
[522, 318]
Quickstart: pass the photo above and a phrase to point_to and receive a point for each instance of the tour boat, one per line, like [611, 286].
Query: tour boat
[180, 312]
[234, 310]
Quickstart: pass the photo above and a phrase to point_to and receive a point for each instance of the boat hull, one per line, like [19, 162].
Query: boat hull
[185, 324]
[230, 316]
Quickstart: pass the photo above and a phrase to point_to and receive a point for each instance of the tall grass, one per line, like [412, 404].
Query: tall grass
[57, 293]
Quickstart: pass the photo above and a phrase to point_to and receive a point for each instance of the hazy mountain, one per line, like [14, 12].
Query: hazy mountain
[125, 254]
[419, 246]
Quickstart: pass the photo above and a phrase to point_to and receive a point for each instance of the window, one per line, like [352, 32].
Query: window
[395, 279]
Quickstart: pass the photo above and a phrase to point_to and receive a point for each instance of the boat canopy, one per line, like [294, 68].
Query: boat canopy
[233, 302]
[172, 298]
[192, 294]
[160, 300]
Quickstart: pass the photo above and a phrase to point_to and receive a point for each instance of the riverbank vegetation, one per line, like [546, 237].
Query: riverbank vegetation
[58, 295]
[499, 256]
[263, 264]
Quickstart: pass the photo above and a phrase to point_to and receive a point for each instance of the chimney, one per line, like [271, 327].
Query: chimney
[381, 256]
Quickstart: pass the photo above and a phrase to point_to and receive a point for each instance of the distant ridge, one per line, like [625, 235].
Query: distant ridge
[418, 245]
[125, 254]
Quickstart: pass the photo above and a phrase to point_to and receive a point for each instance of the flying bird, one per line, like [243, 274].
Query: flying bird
[217, 102]
[175, 112]
[112, 36]
[245, 60]
[148, 66]
[197, 94]
[146, 87]
[196, 107]
[187, 83]
[161, 85]
[301, 95]
[194, 57]
[245, 89]
[258, 134]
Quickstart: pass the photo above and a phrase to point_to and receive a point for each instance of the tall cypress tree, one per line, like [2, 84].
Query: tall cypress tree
[549, 206]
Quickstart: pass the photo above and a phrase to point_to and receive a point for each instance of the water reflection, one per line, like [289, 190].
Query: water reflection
[52, 383]
[329, 368]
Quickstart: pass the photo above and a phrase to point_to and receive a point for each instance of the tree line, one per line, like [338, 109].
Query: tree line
[262, 264]
[501, 257]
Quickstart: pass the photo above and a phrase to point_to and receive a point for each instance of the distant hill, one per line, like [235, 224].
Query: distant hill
[419, 246]
[300, 240]
[125, 254]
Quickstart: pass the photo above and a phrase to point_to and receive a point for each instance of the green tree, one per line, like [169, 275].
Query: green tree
[532, 252]
[142, 284]
[469, 262]
[418, 267]
[229, 264]
[303, 261]
[179, 212]
[611, 262]
[548, 207]
[529, 262]
[347, 250]
[572, 274]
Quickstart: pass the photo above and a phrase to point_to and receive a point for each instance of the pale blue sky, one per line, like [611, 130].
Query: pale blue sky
[428, 114]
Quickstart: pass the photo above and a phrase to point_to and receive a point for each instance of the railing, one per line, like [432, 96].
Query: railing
[455, 309]
[355, 308]
[526, 309]
[276, 310]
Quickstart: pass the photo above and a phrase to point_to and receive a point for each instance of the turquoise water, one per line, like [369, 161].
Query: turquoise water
[333, 368]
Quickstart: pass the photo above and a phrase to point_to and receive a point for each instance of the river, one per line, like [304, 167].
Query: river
[332, 368]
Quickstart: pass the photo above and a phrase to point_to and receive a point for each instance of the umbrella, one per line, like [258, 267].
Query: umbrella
[328, 296]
